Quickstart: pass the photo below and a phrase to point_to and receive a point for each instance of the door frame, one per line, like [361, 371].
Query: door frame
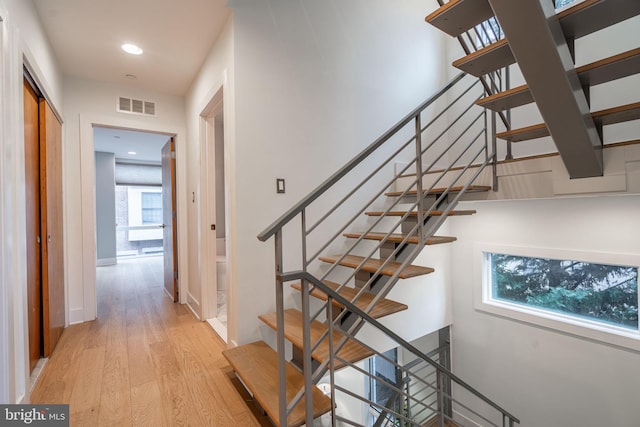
[88, 311]
[208, 271]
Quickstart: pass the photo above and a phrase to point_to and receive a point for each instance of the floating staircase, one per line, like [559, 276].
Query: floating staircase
[576, 132]
[347, 271]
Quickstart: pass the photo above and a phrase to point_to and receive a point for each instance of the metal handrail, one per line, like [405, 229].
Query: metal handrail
[404, 253]
[322, 188]
[302, 275]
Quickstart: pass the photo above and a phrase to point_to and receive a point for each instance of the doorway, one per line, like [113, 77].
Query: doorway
[216, 208]
[44, 223]
[129, 195]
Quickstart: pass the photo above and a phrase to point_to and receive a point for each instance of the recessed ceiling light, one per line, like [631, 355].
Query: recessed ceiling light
[132, 49]
[133, 153]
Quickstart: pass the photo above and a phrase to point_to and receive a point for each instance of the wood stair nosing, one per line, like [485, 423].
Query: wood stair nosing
[490, 58]
[383, 307]
[352, 351]
[605, 70]
[580, 20]
[257, 366]
[414, 213]
[438, 191]
[458, 16]
[399, 238]
[590, 16]
[373, 265]
[608, 116]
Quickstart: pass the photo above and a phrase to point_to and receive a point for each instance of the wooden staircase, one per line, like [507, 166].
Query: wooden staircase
[256, 363]
[582, 19]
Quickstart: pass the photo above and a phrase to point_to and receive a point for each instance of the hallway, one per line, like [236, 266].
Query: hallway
[144, 361]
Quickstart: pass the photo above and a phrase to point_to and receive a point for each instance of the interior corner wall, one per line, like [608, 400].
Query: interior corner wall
[22, 39]
[315, 83]
[106, 251]
[544, 377]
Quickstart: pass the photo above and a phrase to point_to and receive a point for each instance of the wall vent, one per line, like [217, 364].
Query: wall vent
[136, 106]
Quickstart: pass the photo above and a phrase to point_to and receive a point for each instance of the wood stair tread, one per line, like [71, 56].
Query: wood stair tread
[590, 16]
[437, 191]
[598, 72]
[490, 58]
[373, 265]
[458, 16]
[351, 351]
[608, 116]
[384, 307]
[257, 365]
[415, 213]
[400, 237]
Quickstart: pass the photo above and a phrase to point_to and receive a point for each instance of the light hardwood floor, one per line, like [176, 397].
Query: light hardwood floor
[144, 362]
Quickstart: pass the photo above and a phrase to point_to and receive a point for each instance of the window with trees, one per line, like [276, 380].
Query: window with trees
[600, 292]
[589, 294]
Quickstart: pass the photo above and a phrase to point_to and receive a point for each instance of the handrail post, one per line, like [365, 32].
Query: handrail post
[494, 148]
[419, 193]
[507, 73]
[307, 368]
[282, 390]
[440, 391]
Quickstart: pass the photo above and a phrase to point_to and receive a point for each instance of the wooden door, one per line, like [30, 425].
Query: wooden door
[32, 217]
[170, 237]
[51, 215]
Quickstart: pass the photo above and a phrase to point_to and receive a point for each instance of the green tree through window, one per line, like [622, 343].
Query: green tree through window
[606, 293]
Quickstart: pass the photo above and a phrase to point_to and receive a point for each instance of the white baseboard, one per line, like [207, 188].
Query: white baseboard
[194, 306]
[103, 262]
[76, 315]
[219, 328]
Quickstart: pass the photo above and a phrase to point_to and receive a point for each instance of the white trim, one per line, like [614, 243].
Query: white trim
[593, 330]
[87, 172]
[214, 103]
[5, 212]
[103, 262]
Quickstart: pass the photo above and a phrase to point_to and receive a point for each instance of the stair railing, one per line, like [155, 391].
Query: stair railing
[475, 39]
[452, 149]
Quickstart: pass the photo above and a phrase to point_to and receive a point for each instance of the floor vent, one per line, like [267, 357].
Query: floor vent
[136, 106]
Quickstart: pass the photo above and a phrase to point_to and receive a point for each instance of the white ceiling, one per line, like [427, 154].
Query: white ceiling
[176, 36]
[146, 145]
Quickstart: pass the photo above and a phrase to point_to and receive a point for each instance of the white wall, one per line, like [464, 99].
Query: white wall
[22, 43]
[105, 166]
[89, 103]
[315, 83]
[216, 77]
[544, 377]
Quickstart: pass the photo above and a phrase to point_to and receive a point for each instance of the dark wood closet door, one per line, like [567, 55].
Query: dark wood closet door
[32, 217]
[51, 213]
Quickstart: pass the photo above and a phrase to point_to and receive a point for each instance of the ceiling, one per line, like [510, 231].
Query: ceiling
[176, 37]
[146, 145]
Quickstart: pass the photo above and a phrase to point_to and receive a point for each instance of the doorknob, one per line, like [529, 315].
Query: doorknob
[162, 225]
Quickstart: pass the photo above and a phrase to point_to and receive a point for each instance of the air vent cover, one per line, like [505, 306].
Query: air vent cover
[136, 106]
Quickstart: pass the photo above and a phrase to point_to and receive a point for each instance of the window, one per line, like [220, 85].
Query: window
[588, 294]
[563, 3]
[151, 207]
[384, 372]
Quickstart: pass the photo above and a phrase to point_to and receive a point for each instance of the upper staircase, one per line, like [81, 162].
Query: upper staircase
[542, 43]
[352, 248]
